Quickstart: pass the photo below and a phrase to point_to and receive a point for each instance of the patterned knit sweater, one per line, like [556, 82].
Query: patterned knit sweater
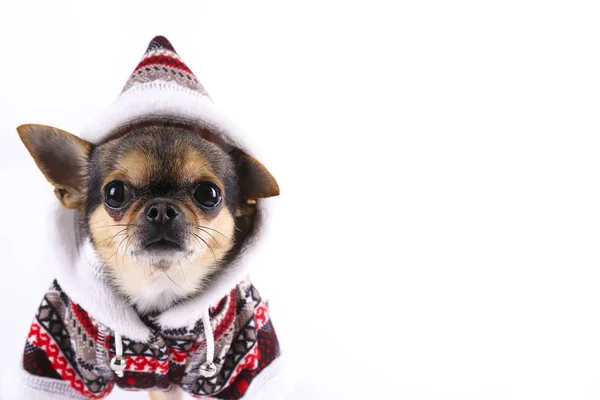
[72, 350]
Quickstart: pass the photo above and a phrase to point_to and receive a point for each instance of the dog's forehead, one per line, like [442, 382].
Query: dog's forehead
[162, 153]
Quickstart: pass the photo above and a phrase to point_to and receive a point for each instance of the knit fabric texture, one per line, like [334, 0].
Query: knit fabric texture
[65, 343]
[161, 62]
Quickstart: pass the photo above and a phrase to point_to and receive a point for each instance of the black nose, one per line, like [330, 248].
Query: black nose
[162, 213]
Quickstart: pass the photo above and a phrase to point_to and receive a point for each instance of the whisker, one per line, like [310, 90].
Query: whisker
[152, 272]
[165, 272]
[106, 261]
[204, 241]
[111, 238]
[128, 243]
[110, 226]
[213, 238]
[211, 229]
[120, 243]
[182, 273]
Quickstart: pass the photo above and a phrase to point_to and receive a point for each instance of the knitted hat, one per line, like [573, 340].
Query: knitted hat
[161, 62]
[162, 85]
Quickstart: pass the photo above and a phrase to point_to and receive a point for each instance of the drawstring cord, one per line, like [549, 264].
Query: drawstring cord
[207, 368]
[118, 362]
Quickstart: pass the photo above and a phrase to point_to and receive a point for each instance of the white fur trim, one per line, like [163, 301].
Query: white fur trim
[276, 382]
[20, 385]
[162, 99]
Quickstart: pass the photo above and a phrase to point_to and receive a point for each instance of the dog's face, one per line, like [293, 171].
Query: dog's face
[159, 203]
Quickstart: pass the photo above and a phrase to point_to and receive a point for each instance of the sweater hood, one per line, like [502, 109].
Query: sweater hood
[161, 86]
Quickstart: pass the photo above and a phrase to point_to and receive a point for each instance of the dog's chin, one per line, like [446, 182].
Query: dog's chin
[162, 254]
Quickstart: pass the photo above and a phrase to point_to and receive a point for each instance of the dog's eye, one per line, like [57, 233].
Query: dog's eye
[208, 195]
[117, 194]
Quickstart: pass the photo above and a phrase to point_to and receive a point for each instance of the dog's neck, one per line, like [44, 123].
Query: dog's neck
[159, 296]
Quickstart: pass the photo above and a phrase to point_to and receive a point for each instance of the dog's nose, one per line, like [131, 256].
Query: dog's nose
[162, 213]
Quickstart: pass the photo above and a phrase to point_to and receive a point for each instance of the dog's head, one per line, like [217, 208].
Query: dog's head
[162, 205]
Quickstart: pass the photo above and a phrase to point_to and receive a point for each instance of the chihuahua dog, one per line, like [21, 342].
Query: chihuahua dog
[158, 201]
[162, 207]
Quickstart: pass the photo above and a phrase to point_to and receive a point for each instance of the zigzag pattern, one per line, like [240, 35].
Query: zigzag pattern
[161, 62]
[245, 340]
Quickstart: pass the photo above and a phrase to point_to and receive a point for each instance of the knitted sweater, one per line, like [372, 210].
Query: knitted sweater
[68, 352]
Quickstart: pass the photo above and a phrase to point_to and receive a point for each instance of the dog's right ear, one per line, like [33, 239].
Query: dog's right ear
[255, 181]
[62, 158]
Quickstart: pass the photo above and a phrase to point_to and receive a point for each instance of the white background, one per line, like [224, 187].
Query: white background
[437, 233]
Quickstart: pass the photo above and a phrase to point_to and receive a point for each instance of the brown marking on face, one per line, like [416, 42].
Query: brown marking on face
[108, 234]
[136, 168]
[162, 166]
[194, 167]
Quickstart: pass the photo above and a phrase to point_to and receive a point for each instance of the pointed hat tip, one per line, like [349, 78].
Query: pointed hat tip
[160, 42]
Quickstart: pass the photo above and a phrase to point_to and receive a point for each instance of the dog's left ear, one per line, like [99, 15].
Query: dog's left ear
[254, 180]
[62, 158]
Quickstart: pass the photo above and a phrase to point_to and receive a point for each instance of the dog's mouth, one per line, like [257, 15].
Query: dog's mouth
[163, 245]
